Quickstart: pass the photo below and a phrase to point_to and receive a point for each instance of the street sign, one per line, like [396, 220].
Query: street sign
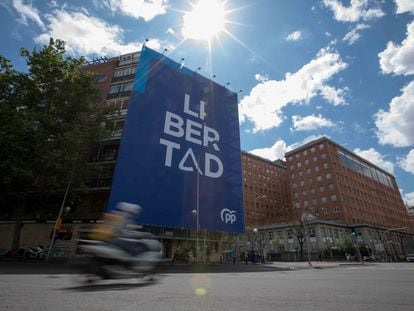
[180, 151]
[58, 223]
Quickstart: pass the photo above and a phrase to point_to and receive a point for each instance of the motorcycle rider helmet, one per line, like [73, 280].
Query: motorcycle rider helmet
[129, 208]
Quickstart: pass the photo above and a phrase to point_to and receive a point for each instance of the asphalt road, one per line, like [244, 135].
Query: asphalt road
[386, 286]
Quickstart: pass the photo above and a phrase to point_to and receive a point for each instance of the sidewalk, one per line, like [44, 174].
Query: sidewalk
[315, 264]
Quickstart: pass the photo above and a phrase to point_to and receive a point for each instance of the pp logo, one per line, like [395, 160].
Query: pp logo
[228, 216]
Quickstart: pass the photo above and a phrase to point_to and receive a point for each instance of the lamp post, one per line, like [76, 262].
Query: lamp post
[255, 229]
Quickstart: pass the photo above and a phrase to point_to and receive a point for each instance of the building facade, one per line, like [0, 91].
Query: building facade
[344, 193]
[265, 190]
[336, 184]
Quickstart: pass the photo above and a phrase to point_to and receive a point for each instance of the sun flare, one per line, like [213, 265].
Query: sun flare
[205, 21]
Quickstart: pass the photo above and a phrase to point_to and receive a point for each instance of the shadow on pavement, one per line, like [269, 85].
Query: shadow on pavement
[17, 267]
[96, 287]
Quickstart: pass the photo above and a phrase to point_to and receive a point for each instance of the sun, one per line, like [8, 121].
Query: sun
[205, 21]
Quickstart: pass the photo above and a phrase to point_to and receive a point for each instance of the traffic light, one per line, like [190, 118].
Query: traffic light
[354, 233]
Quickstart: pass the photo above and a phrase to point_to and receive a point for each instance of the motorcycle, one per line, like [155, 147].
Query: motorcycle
[124, 257]
[35, 252]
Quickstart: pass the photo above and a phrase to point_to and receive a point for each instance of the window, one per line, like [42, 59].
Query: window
[128, 59]
[315, 158]
[312, 191]
[118, 88]
[306, 162]
[308, 171]
[333, 198]
[321, 189]
[313, 149]
[323, 199]
[294, 185]
[305, 204]
[305, 152]
[331, 187]
[323, 155]
[310, 180]
[321, 146]
[300, 174]
[314, 201]
[319, 178]
[304, 193]
[126, 71]
[296, 195]
[302, 183]
[328, 175]
[316, 168]
[299, 165]
[326, 165]
[101, 78]
[293, 176]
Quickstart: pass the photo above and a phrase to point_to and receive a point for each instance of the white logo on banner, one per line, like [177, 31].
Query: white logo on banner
[228, 216]
[195, 132]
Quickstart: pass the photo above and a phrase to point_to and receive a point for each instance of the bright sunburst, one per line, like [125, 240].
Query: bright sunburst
[205, 21]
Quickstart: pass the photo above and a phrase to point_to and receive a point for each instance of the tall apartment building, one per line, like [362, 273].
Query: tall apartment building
[336, 184]
[265, 188]
[115, 78]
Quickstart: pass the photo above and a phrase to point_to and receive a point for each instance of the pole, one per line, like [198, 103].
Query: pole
[198, 209]
[57, 220]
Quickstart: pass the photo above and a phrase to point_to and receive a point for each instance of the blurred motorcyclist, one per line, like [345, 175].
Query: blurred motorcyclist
[119, 228]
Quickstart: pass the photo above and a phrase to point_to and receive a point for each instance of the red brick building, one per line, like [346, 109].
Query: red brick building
[265, 188]
[336, 184]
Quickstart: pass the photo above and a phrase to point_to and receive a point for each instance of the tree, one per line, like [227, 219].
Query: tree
[50, 120]
[297, 219]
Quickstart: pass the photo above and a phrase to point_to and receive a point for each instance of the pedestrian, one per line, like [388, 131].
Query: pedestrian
[234, 259]
[246, 258]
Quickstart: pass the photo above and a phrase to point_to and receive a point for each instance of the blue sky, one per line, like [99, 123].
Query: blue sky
[339, 68]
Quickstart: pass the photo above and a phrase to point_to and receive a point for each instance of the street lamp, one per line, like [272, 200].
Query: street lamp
[255, 229]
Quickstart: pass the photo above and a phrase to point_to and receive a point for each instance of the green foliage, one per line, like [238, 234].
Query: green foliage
[50, 120]
[345, 244]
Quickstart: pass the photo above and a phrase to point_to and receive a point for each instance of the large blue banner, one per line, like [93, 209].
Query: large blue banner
[180, 152]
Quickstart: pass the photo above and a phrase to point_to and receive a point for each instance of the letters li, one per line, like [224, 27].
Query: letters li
[193, 132]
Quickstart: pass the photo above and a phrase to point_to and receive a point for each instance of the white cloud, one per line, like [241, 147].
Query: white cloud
[275, 152]
[407, 163]
[399, 59]
[407, 197]
[405, 6]
[171, 31]
[376, 158]
[27, 11]
[396, 126]
[359, 10]
[311, 122]
[354, 35]
[328, 34]
[294, 36]
[85, 35]
[145, 9]
[261, 78]
[264, 105]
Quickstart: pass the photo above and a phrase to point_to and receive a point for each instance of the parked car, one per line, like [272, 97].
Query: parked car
[410, 257]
